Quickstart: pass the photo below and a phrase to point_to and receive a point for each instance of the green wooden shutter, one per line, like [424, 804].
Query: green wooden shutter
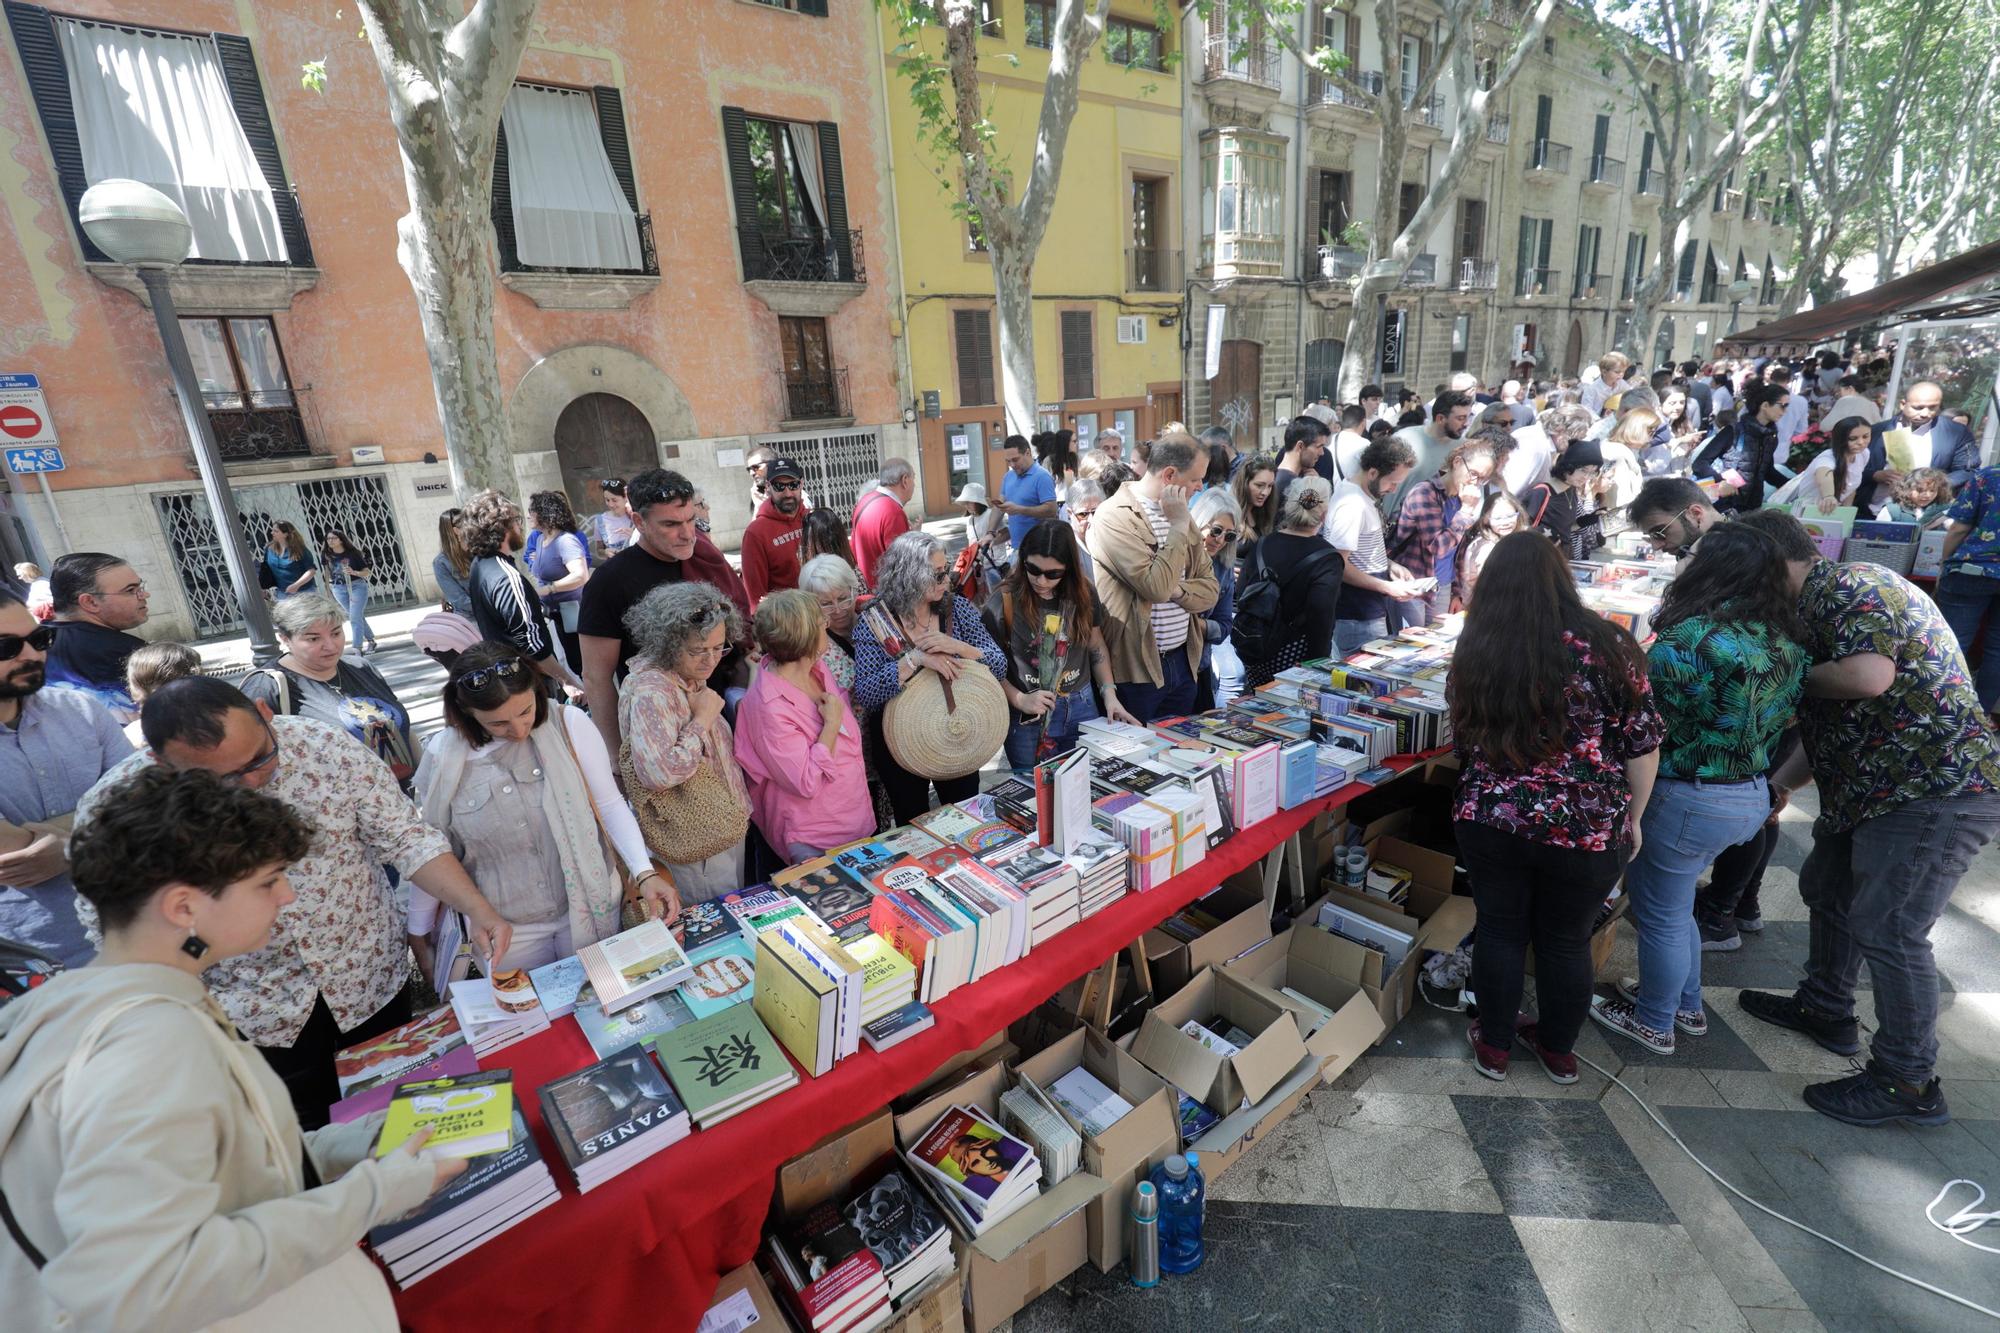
[972, 332]
[743, 189]
[246, 97]
[48, 83]
[833, 180]
[1078, 355]
[611, 129]
[816, 8]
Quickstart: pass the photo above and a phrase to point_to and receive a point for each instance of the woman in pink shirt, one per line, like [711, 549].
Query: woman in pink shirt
[797, 740]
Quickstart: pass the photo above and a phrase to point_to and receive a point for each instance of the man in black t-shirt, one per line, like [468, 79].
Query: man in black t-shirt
[667, 549]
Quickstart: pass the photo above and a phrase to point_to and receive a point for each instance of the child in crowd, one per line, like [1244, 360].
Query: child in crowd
[1922, 498]
[150, 667]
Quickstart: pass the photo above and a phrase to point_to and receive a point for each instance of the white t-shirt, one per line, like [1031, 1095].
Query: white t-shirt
[1854, 405]
[1348, 447]
[1529, 464]
[1806, 486]
[1354, 526]
[1596, 392]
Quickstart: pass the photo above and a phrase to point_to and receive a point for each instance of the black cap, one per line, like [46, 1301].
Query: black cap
[783, 467]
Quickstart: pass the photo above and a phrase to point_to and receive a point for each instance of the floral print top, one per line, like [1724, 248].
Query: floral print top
[1977, 505]
[1925, 737]
[666, 746]
[1726, 692]
[343, 936]
[1578, 799]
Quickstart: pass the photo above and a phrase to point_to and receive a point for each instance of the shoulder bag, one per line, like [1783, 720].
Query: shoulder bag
[690, 821]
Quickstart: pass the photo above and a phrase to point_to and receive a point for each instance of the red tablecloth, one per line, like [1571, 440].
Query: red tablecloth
[650, 1245]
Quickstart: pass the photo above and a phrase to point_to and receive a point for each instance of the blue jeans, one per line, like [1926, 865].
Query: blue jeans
[1228, 668]
[1874, 892]
[1071, 711]
[1349, 635]
[1687, 825]
[1964, 599]
[1174, 698]
[353, 596]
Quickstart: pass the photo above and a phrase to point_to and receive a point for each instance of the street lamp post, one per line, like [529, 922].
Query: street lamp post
[1739, 292]
[135, 224]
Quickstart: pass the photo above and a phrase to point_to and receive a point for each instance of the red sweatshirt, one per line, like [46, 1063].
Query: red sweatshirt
[771, 551]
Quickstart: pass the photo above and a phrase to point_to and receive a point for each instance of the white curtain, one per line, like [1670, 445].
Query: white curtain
[153, 107]
[569, 210]
[805, 153]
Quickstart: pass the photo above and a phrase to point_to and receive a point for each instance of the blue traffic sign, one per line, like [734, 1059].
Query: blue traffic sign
[27, 462]
[19, 382]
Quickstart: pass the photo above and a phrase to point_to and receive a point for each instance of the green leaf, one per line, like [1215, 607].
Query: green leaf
[312, 75]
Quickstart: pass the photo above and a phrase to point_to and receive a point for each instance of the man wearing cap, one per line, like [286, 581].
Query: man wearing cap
[771, 542]
[1027, 492]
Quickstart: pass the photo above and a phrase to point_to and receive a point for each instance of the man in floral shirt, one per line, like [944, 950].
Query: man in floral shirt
[334, 971]
[1908, 770]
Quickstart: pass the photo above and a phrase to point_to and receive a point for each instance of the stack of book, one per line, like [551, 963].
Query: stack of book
[1089, 1100]
[1050, 885]
[611, 1032]
[494, 1192]
[725, 974]
[760, 907]
[429, 1046]
[830, 893]
[1027, 1111]
[906, 1233]
[467, 1115]
[1146, 829]
[724, 1064]
[799, 945]
[1062, 800]
[976, 1169]
[1124, 741]
[1101, 863]
[633, 964]
[702, 925]
[1000, 911]
[890, 1012]
[610, 1116]
[495, 1016]
[833, 1282]
[1014, 803]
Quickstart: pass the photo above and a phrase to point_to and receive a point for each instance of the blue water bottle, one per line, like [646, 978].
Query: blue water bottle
[1178, 1180]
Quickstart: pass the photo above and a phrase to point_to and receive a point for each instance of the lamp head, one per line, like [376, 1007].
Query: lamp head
[133, 223]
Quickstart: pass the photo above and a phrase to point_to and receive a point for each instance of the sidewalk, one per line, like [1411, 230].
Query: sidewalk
[416, 679]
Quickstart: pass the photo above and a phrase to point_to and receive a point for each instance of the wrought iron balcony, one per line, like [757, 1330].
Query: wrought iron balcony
[825, 255]
[1653, 181]
[1606, 171]
[1478, 275]
[1322, 91]
[1334, 263]
[1538, 282]
[1498, 128]
[815, 397]
[1244, 61]
[649, 256]
[1548, 155]
[1590, 286]
[1429, 112]
[1422, 272]
[1149, 270]
[249, 434]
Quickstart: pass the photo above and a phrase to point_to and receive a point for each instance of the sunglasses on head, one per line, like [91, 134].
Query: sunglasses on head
[478, 680]
[38, 639]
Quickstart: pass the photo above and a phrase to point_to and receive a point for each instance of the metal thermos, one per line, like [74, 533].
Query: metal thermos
[1145, 1259]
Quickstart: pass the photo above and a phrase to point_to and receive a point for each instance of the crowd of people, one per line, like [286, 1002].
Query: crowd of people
[239, 877]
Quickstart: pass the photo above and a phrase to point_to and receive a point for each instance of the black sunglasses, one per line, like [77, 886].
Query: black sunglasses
[476, 680]
[1046, 571]
[38, 639]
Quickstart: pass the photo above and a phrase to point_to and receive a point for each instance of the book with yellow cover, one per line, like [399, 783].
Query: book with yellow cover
[798, 1003]
[468, 1115]
[882, 968]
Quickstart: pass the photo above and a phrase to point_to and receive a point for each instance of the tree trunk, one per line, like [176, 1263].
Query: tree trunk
[1364, 332]
[1014, 300]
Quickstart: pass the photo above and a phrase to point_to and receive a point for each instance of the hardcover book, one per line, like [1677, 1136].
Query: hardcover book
[633, 964]
[724, 1063]
[703, 925]
[607, 1105]
[834, 897]
[894, 1219]
[897, 1026]
[397, 1053]
[725, 975]
[622, 1027]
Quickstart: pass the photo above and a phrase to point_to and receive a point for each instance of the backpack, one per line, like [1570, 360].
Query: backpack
[1260, 630]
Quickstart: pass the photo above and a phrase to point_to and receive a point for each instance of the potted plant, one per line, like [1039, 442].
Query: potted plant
[1348, 250]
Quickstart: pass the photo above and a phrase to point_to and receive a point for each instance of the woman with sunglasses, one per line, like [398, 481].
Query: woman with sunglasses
[1216, 517]
[524, 790]
[1045, 617]
[915, 610]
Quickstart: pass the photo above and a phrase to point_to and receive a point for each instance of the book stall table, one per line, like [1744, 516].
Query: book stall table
[647, 1249]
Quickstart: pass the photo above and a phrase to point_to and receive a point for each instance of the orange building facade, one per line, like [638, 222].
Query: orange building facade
[747, 142]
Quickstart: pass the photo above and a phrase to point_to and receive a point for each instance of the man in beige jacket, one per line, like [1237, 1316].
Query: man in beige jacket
[1154, 581]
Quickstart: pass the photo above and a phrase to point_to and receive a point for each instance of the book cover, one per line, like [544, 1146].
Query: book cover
[897, 1026]
[971, 1154]
[817, 1245]
[634, 963]
[725, 975]
[396, 1053]
[703, 925]
[608, 1104]
[990, 837]
[797, 1002]
[481, 1175]
[756, 900]
[558, 984]
[908, 932]
[833, 896]
[622, 1027]
[722, 1058]
[909, 840]
[947, 823]
[467, 1115]
[893, 1218]
[882, 968]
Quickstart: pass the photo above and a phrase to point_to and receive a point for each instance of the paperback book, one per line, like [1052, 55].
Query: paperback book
[612, 1032]
[398, 1054]
[495, 1191]
[467, 1115]
[634, 964]
[724, 1064]
[610, 1116]
[726, 974]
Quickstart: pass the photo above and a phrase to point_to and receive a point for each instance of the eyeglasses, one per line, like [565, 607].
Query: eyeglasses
[1220, 533]
[1659, 533]
[257, 765]
[940, 576]
[477, 680]
[134, 589]
[38, 639]
[716, 651]
[1049, 572]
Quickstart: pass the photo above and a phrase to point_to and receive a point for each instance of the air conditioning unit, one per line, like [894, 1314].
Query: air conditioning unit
[1131, 328]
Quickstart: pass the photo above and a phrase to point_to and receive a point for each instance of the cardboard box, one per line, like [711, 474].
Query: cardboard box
[1239, 900]
[1129, 1148]
[1319, 965]
[1220, 1082]
[830, 1166]
[1025, 1254]
[936, 1307]
[1432, 914]
[746, 1297]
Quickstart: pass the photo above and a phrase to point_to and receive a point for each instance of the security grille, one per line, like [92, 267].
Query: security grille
[358, 505]
[836, 464]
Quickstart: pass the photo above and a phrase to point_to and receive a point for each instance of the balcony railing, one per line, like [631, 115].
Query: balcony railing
[1728, 201]
[1429, 112]
[1422, 272]
[1548, 155]
[1538, 282]
[1148, 270]
[1590, 286]
[1652, 181]
[1334, 263]
[1322, 91]
[649, 256]
[1478, 275]
[1498, 128]
[1606, 171]
[815, 397]
[252, 434]
[817, 256]
[1245, 61]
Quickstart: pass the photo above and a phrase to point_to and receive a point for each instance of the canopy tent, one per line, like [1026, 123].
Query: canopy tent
[1938, 292]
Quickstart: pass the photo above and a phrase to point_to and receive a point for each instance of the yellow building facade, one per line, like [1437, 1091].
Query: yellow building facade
[1108, 282]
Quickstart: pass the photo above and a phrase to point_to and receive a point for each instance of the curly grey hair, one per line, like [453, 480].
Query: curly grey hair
[903, 578]
[1304, 507]
[296, 615]
[673, 617]
[1566, 421]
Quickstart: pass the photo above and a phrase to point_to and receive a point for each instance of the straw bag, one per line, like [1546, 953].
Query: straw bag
[938, 728]
[689, 822]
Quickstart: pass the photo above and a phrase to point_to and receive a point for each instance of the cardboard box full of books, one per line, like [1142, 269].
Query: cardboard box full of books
[1119, 1153]
[1308, 971]
[827, 1170]
[1430, 914]
[938, 1308]
[1027, 1252]
[1244, 922]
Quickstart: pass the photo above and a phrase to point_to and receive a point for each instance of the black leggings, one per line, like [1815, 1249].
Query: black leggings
[306, 1066]
[910, 795]
[1533, 893]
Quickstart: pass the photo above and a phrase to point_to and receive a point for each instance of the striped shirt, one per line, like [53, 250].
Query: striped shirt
[1170, 622]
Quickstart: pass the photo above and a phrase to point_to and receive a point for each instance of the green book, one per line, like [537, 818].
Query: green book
[722, 1064]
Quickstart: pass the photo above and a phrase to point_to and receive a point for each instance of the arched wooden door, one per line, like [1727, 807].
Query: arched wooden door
[597, 436]
[1573, 354]
[1234, 395]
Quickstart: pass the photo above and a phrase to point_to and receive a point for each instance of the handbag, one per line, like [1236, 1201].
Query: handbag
[689, 822]
[938, 728]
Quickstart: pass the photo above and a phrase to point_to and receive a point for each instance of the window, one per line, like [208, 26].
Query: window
[1769, 295]
[246, 387]
[1588, 239]
[1635, 265]
[1646, 164]
[1742, 268]
[1722, 191]
[1471, 230]
[1484, 71]
[1335, 207]
[975, 232]
[1410, 66]
[1531, 261]
[1323, 369]
[815, 8]
[1409, 198]
[814, 389]
[1131, 44]
[1041, 23]
[1079, 355]
[1242, 203]
[1152, 268]
[186, 116]
[989, 16]
[564, 197]
[1711, 278]
[1341, 30]
[1545, 111]
[972, 334]
[791, 199]
[1461, 342]
[1684, 272]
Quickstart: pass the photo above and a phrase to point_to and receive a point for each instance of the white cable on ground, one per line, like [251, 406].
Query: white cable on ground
[1959, 1219]
[1963, 1222]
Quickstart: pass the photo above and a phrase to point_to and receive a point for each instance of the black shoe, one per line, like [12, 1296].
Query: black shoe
[1718, 939]
[1842, 1036]
[1871, 1097]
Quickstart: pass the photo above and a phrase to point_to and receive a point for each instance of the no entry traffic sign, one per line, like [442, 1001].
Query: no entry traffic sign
[19, 422]
[24, 413]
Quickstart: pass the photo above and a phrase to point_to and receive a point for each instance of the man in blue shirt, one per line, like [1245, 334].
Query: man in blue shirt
[1027, 492]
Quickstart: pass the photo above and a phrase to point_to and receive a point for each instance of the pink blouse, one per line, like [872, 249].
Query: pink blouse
[667, 747]
[798, 792]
